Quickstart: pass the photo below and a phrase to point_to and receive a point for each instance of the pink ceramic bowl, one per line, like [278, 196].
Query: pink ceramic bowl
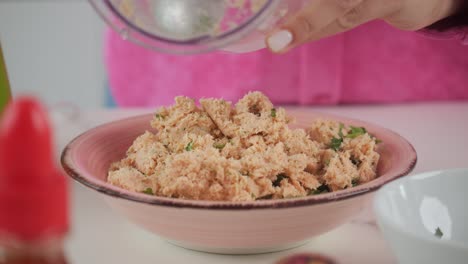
[228, 227]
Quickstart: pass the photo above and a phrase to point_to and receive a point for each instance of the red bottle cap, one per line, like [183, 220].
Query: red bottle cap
[33, 192]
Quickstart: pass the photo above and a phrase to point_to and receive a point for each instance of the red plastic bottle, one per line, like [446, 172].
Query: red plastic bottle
[33, 192]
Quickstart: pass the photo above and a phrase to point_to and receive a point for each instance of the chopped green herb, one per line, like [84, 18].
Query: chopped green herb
[253, 196]
[279, 178]
[438, 233]
[189, 146]
[355, 182]
[340, 131]
[327, 162]
[355, 132]
[273, 112]
[336, 143]
[321, 189]
[148, 191]
[219, 145]
[377, 141]
[266, 197]
[159, 116]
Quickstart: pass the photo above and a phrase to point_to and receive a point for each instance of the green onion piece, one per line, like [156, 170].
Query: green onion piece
[266, 197]
[279, 178]
[321, 189]
[219, 145]
[159, 116]
[189, 146]
[273, 112]
[355, 132]
[340, 131]
[335, 143]
[148, 191]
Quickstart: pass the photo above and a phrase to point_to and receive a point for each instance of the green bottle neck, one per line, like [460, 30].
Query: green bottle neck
[5, 93]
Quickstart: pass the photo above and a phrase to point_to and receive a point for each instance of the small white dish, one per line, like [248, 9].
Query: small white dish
[424, 217]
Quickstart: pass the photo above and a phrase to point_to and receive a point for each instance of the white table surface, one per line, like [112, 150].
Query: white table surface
[438, 132]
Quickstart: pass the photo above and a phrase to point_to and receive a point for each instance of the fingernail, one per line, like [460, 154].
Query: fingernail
[279, 40]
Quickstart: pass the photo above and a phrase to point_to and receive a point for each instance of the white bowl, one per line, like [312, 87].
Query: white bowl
[424, 217]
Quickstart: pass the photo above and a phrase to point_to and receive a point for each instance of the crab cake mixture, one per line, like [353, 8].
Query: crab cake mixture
[243, 152]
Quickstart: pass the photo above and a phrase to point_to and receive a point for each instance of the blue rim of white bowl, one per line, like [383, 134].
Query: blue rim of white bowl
[366, 188]
[398, 228]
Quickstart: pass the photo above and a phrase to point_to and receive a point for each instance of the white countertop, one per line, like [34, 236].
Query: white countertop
[437, 131]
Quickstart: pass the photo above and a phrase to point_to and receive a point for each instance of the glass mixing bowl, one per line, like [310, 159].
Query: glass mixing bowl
[196, 26]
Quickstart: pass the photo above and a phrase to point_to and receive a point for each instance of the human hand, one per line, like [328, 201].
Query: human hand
[324, 18]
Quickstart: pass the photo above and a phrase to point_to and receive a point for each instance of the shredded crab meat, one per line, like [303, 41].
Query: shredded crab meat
[243, 152]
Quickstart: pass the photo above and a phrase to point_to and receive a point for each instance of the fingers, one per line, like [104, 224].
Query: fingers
[418, 14]
[361, 14]
[309, 21]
